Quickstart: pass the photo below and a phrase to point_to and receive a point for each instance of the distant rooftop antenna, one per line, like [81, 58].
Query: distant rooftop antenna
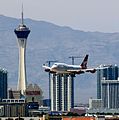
[22, 15]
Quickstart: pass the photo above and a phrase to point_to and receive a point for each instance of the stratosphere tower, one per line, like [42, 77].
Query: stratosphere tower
[22, 33]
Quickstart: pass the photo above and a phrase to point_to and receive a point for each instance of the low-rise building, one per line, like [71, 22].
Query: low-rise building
[13, 107]
[34, 94]
[95, 103]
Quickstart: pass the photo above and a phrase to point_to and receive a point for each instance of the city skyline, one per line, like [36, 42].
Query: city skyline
[48, 43]
[79, 14]
[60, 29]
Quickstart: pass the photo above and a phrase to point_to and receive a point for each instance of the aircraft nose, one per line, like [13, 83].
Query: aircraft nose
[47, 70]
[54, 67]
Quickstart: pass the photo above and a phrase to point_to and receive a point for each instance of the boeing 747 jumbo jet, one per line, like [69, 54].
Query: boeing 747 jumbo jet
[62, 68]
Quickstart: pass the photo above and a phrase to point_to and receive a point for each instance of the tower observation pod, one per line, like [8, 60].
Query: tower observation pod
[22, 33]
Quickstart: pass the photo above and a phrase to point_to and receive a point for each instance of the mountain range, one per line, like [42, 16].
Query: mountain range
[48, 41]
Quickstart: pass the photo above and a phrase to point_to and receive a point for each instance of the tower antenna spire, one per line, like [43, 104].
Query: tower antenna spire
[22, 16]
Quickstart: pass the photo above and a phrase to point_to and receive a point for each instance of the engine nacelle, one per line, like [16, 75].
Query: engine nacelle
[93, 71]
[79, 72]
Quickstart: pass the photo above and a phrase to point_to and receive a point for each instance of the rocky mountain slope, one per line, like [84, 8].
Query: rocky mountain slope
[51, 42]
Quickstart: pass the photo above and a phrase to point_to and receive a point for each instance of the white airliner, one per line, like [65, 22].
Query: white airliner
[62, 68]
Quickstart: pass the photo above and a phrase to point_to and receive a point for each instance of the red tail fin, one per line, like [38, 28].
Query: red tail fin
[84, 63]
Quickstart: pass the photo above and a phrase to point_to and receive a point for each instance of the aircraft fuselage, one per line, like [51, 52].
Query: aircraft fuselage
[64, 68]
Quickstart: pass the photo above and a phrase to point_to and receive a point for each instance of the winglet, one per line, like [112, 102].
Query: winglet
[84, 63]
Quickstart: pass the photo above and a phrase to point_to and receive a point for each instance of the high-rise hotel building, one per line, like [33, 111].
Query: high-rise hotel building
[3, 83]
[61, 92]
[108, 85]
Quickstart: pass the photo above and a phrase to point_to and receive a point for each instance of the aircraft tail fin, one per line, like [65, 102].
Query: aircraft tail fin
[84, 63]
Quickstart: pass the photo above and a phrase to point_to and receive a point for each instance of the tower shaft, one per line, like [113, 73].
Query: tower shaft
[22, 80]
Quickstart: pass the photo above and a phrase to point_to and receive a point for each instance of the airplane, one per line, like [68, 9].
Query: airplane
[62, 68]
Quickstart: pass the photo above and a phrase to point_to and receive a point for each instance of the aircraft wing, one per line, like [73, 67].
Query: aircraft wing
[80, 71]
[77, 71]
[93, 70]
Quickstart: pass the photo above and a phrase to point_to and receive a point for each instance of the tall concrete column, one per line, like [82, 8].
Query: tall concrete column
[22, 33]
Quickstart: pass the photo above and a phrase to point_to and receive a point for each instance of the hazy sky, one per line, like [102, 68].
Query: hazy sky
[88, 15]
